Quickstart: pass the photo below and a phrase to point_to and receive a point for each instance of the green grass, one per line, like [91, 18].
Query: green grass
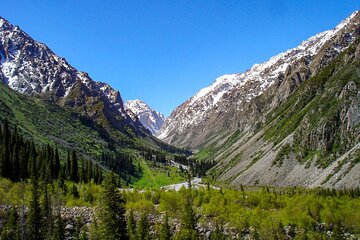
[205, 154]
[156, 176]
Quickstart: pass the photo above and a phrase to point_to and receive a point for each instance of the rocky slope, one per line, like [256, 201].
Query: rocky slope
[230, 102]
[310, 140]
[149, 118]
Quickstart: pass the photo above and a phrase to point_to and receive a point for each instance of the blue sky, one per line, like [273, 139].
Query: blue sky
[164, 51]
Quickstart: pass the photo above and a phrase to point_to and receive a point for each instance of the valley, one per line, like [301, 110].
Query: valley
[269, 153]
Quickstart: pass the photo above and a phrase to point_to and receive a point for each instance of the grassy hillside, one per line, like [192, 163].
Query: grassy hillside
[47, 123]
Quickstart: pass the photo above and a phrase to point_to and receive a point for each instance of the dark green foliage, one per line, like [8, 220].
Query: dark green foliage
[165, 229]
[188, 220]
[74, 171]
[198, 167]
[113, 221]
[218, 233]
[59, 228]
[46, 213]
[10, 230]
[18, 164]
[34, 219]
[143, 228]
[131, 226]
[118, 162]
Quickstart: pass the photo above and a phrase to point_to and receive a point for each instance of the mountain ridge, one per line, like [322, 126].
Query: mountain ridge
[188, 123]
[149, 118]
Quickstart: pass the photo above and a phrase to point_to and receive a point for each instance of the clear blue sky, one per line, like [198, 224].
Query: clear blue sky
[164, 51]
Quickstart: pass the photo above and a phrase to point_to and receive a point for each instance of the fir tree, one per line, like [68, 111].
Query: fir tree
[113, 214]
[47, 215]
[165, 229]
[131, 226]
[59, 228]
[74, 171]
[218, 233]
[143, 228]
[56, 164]
[34, 222]
[10, 230]
[188, 220]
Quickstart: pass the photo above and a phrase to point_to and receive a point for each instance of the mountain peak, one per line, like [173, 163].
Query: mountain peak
[148, 117]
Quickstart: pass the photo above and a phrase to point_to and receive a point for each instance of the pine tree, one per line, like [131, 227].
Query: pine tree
[5, 164]
[113, 214]
[59, 228]
[143, 228]
[188, 220]
[67, 166]
[74, 171]
[47, 215]
[218, 233]
[56, 164]
[15, 162]
[10, 230]
[165, 229]
[131, 226]
[34, 222]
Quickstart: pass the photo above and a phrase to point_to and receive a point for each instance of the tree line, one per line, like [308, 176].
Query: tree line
[18, 156]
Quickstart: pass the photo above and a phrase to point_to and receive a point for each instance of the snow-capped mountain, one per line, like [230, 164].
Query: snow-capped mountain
[219, 105]
[30, 67]
[148, 117]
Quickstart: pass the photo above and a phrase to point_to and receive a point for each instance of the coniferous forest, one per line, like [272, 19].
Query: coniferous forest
[46, 196]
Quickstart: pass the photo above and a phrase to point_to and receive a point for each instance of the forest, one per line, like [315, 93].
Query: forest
[48, 195]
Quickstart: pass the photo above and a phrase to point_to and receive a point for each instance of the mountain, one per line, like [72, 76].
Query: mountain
[54, 103]
[31, 68]
[229, 103]
[149, 118]
[293, 120]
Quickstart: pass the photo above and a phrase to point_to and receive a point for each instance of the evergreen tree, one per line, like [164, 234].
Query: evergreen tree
[10, 230]
[131, 226]
[67, 166]
[218, 233]
[143, 228]
[5, 164]
[56, 164]
[34, 222]
[74, 171]
[165, 229]
[59, 228]
[113, 214]
[47, 221]
[188, 220]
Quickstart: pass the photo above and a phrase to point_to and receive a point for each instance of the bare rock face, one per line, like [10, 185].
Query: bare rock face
[239, 100]
[149, 118]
